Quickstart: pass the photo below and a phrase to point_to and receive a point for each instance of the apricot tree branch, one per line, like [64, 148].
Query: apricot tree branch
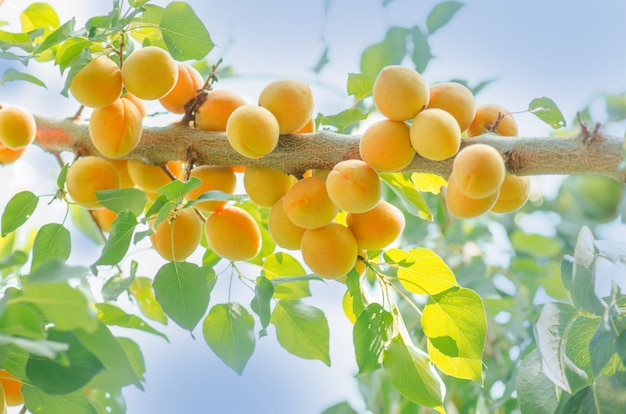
[590, 152]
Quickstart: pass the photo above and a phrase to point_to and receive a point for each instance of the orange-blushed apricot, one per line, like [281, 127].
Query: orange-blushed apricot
[213, 178]
[308, 205]
[213, 113]
[252, 131]
[306, 128]
[177, 238]
[122, 170]
[386, 145]
[479, 170]
[291, 102]
[12, 387]
[98, 83]
[486, 118]
[462, 206]
[400, 93]
[286, 234]
[17, 127]
[147, 177]
[513, 195]
[265, 186]
[435, 134]
[187, 84]
[456, 99]
[90, 174]
[149, 73]
[378, 227]
[104, 218]
[9, 155]
[115, 130]
[233, 234]
[354, 186]
[139, 103]
[329, 251]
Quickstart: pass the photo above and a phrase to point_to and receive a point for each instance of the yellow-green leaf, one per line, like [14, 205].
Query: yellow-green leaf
[430, 183]
[421, 271]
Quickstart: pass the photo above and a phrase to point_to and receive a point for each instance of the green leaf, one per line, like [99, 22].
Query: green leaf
[84, 221]
[421, 271]
[263, 292]
[355, 296]
[79, 62]
[183, 291]
[54, 271]
[19, 40]
[11, 75]
[70, 50]
[137, 3]
[114, 316]
[42, 348]
[38, 401]
[18, 210]
[343, 120]
[64, 32]
[576, 341]
[176, 190]
[62, 177]
[583, 274]
[390, 51]
[455, 323]
[142, 291]
[411, 371]
[108, 402]
[283, 265]
[441, 14]
[421, 54]
[372, 331]
[228, 329]
[361, 85]
[184, 33]
[343, 407]
[52, 242]
[118, 284]
[302, 330]
[546, 110]
[536, 245]
[19, 319]
[134, 355]
[123, 199]
[604, 357]
[605, 396]
[411, 199]
[535, 392]
[119, 239]
[39, 15]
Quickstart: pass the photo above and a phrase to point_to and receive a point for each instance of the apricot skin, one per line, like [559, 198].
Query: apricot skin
[187, 84]
[213, 178]
[88, 175]
[98, 83]
[12, 387]
[456, 99]
[233, 234]
[400, 93]
[286, 234]
[266, 185]
[214, 112]
[378, 227]
[462, 206]
[149, 73]
[148, 178]
[176, 239]
[435, 134]
[308, 205]
[9, 155]
[291, 102]
[17, 127]
[486, 117]
[329, 251]
[386, 145]
[354, 186]
[252, 131]
[479, 170]
[513, 194]
[115, 129]
[104, 218]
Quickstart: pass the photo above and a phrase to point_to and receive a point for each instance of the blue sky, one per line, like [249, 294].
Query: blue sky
[568, 51]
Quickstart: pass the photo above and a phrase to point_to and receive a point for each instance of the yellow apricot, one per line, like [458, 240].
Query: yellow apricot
[286, 234]
[513, 194]
[88, 175]
[122, 170]
[177, 238]
[307, 128]
[378, 227]
[479, 170]
[435, 134]
[213, 113]
[213, 178]
[149, 73]
[486, 118]
[462, 206]
[233, 234]
[98, 83]
[291, 102]
[12, 389]
[115, 129]
[317, 172]
[400, 93]
[266, 185]
[307, 203]
[17, 127]
[176, 168]
[104, 218]
[138, 103]
[9, 155]
[187, 84]
[329, 251]
[354, 186]
[386, 145]
[147, 177]
[252, 131]
[456, 99]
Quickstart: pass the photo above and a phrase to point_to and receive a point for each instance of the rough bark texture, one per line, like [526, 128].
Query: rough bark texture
[590, 152]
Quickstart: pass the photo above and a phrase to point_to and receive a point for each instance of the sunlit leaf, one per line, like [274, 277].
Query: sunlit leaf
[119, 239]
[430, 183]
[19, 319]
[123, 199]
[605, 396]
[52, 242]
[546, 110]
[343, 119]
[361, 85]
[53, 271]
[42, 348]
[441, 14]
[12, 74]
[184, 33]
[421, 271]
[38, 401]
[411, 199]
[17, 211]
[176, 189]
[583, 274]
[372, 331]
[263, 292]
[114, 316]
[19, 40]
[283, 265]
[64, 32]
[390, 51]
[108, 402]
[142, 291]
[421, 54]
[535, 392]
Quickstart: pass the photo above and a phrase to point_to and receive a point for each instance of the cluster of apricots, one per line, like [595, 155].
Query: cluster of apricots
[17, 130]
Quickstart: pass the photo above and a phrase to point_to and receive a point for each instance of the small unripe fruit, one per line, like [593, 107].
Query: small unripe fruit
[17, 127]
[252, 131]
[307, 203]
[330, 251]
[213, 178]
[233, 234]
[400, 93]
[479, 170]
[386, 145]
[435, 134]
[513, 194]
[456, 99]
[486, 118]
[178, 237]
[90, 174]
[187, 84]
[286, 234]
[291, 102]
[115, 130]
[378, 227]
[98, 83]
[214, 112]
[149, 73]
[354, 186]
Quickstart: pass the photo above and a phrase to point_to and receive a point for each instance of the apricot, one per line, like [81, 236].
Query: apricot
[177, 238]
[104, 218]
[115, 129]
[88, 175]
[149, 73]
[386, 145]
[139, 103]
[12, 387]
[479, 170]
[462, 206]
[456, 99]
[176, 168]
[17, 127]
[147, 177]
[378, 227]
[9, 155]
[252, 131]
[486, 118]
[435, 134]
[122, 170]
[317, 172]
[266, 185]
[308, 205]
[291, 102]
[513, 194]
[213, 178]
[329, 251]
[186, 88]
[98, 83]
[233, 234]
[400, 93]
[306, 128]
[286, 234]
[354, 186]
[213, 113]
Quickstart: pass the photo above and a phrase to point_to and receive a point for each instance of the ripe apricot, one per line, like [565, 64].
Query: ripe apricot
[9, 155]
[98, 83]
[462, 206]
[187, 84]
[252, 131]
[306, 128]
[12, 387]
[456, 99]
[122, 170]
[213, 178]
[354, 186]
[479, 170]
[266, 185]
[115, 129]
[214, 112]
[513, 194]
[378, 227]
[177, 238]
[149, 73]
[291, 102]
[286, 234]
[386, 145]
[147, 177]
[17, 127]
[329, 251]
[486, 118]
[400, 93]
[139, 103]
[435, 134]
[88, 175]
[233, 234]
[104, 218]
[308, 205]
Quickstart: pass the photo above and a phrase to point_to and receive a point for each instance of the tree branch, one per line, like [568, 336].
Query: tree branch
[590, 152]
